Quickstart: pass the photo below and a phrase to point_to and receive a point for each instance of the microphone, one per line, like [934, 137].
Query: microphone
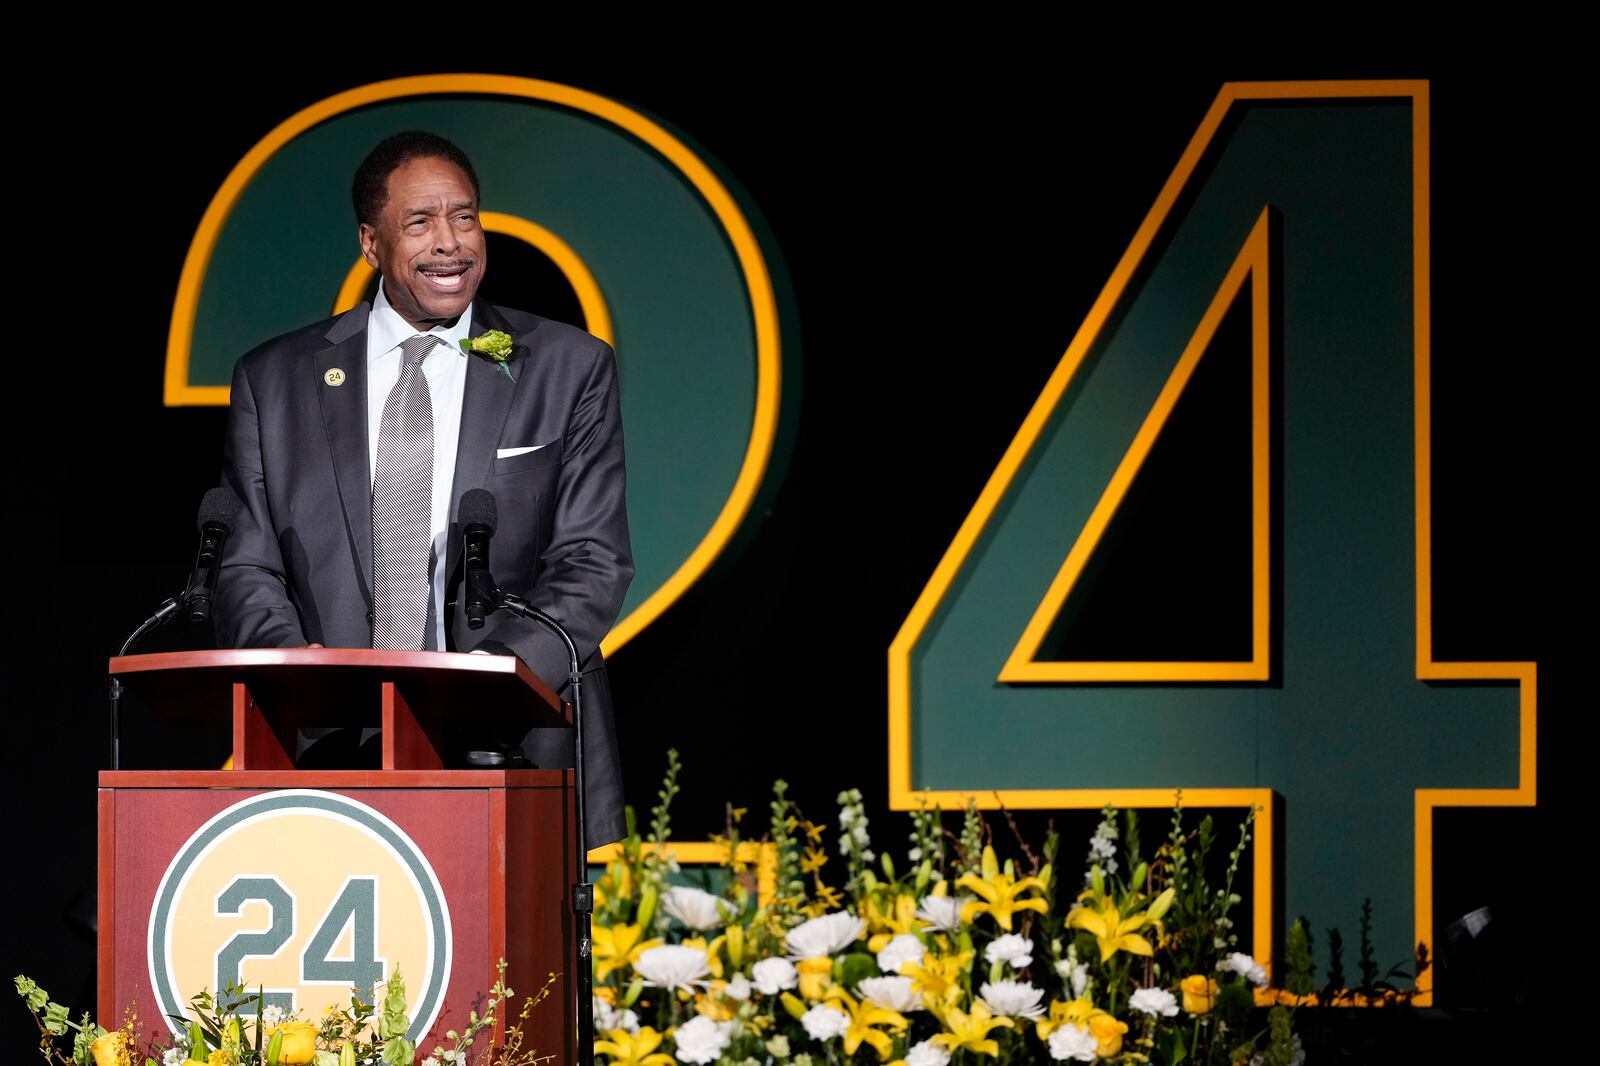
[478, 516]
[218, 509]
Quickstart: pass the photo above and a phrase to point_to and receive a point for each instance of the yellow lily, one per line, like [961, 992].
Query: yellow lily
[1064, 1012]
[863, 1016]
[998, 892]
[938, 979]
[971, 1031]
[634, 1049]
[617, 946]
[886, 924]
[1115, 933]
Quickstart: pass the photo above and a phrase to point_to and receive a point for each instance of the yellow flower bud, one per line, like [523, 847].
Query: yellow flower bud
[815, 976]
[1199, 993]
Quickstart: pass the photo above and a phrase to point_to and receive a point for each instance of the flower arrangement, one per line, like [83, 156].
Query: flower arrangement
[219, 1034]
[957, 958]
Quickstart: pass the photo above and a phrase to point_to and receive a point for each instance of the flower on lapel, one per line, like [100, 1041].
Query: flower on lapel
[492, 344]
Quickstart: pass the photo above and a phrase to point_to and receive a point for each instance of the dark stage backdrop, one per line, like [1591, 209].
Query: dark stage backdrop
[943, 228]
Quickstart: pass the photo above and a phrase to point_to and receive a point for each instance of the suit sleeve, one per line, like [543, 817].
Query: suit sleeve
[252, 607]
[586, 568]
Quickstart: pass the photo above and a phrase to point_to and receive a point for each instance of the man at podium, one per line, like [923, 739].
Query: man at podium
[351, 441]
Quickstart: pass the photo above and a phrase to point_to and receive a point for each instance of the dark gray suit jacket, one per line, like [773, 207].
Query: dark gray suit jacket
[298, 567]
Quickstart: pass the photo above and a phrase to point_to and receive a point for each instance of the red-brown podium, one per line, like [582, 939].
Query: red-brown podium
[303, 882]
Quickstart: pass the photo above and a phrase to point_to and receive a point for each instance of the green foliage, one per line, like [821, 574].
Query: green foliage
[1297, 955]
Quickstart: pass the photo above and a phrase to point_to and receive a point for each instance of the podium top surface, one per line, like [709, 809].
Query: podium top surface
[326, 683]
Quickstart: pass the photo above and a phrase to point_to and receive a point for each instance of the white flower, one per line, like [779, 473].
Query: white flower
[942, 912]
[701, 1040]
[696, 908]
[673, 966]
[1073, 1042]
[1245, 967]
[430, 1061]
[1154, 1001]
[174, 1056]
[927, 1053]
[1101, 847]
[1011, 949]
[737, 989]
[1014, 999]
[774, 975]
[902, 949]
[824, 935]
[1073, 973]
[823, 1022]
[272, 1017]
[890, 993]
[778, 1047]
[607, 1018]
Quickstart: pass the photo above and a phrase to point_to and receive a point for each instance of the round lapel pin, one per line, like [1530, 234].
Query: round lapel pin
[334, 377]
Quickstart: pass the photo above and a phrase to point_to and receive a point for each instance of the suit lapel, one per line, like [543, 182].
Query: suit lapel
[484, 407]
[344, 414]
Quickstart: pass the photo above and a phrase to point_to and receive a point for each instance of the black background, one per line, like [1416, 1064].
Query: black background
[933, 213]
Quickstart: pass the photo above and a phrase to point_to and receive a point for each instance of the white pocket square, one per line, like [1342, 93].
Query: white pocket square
[507, 453]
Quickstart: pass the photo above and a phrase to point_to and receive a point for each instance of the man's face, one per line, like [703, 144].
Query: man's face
[427, 243]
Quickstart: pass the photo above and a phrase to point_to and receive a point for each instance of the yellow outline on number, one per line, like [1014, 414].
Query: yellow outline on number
[902, 796]
[1252, 263]
[758, 283]
[596, 316]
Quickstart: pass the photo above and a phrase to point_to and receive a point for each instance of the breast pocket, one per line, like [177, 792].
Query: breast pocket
[546, 459]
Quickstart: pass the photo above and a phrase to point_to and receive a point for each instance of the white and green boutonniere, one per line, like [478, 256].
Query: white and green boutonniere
[491, 344]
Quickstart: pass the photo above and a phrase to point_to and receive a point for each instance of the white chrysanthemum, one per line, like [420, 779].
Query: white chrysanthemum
[1013, 950]
[701, 1040]
[891, 993]
[607, 1018]
[673, 966]
[942, 912]
[824, 936]
[902, 949]
[1014, 999]
[927, 1053]
[174, 1056]
[737, 989]
[1245, 967]
[1072, 1042]
[824, 1022]
[774, 975]
[1154, 1001]
[696, 908]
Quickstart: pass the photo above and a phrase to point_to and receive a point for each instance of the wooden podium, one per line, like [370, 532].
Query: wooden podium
[306, 882]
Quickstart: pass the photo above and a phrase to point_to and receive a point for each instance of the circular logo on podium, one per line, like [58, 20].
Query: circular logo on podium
[303, 895]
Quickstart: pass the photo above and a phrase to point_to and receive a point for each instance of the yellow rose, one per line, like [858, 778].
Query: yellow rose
[1107, 1031]
[1199, 993]
[816, 975]
[299, 1043]
[107, 1050]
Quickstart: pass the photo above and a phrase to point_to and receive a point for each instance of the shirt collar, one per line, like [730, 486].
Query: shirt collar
[386, 329]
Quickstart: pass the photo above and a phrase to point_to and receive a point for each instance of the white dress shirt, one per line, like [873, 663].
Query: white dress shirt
[445, 369]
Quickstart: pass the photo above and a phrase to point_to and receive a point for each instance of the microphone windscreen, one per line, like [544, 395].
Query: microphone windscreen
[478, 509]
[219, 505]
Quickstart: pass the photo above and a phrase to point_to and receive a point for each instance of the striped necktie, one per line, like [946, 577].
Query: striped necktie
[402, 506]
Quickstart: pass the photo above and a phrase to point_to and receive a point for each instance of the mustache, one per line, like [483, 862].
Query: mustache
[441, 265]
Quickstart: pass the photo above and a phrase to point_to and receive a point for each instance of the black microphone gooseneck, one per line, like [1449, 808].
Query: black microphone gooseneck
[478, 517]
[218, 509]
